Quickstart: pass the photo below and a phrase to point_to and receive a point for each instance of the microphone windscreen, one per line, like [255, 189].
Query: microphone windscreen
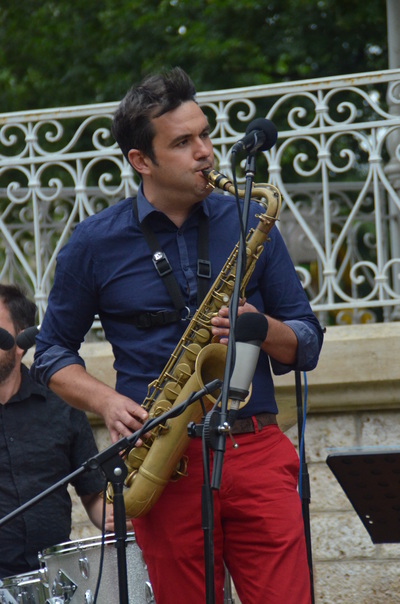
[268, 128]
[26, 338]
[6, 340]
[251, 326]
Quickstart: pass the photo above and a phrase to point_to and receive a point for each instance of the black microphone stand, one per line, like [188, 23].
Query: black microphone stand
[113, 467]
[215, 426]
[218, 445]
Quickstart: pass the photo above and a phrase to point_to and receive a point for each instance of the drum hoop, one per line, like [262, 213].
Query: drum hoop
[30, 577]
[84, 544]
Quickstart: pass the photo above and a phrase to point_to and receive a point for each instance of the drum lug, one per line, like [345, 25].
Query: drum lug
[63, 587]
[84, 567]
[149, 593]
[43, 573]
[89, 597]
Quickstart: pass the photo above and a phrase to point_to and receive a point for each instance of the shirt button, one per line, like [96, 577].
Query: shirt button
[11, 439]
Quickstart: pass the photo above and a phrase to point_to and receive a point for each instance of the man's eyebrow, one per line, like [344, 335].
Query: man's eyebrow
[182, 137]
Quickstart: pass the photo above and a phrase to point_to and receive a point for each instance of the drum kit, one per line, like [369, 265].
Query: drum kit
[68, 574]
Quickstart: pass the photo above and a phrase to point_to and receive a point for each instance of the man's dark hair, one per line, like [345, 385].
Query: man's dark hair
[156, 95]
[22, 311]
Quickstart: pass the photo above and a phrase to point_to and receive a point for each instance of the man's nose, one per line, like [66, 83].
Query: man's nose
[202, 148]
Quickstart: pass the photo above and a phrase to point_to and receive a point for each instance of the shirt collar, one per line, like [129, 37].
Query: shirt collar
[27, 388]
[145, 208]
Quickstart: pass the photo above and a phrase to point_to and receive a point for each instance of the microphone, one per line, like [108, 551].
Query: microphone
[26, 338]
[250, 332]
[6, 340]
[261, 135]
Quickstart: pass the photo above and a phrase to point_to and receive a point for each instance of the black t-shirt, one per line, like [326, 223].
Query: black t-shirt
[42, 440]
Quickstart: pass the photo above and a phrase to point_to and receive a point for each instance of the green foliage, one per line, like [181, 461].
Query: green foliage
[67, 52]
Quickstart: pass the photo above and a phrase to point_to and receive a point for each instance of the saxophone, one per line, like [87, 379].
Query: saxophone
[196, 361]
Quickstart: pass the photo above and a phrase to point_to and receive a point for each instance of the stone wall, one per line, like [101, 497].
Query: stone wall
[353, 400]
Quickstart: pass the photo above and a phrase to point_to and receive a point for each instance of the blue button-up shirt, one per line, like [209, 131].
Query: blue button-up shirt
[106, 268]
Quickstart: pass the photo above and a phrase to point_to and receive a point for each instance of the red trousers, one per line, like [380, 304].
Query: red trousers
[258, 527]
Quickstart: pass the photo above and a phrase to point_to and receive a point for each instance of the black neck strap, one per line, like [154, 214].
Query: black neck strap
[203, 263]
[164, 269]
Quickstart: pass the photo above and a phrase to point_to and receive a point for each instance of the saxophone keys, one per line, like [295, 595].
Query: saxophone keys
[192, 351]
[182, 372]
[181, 469]
[136, 456]
[161, 408]
[203, 335]
[171, 390]
[129, 479]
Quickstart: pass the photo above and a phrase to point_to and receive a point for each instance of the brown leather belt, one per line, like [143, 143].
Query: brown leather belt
[246, 424]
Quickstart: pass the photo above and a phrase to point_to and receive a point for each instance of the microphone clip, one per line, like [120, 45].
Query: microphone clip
[211, 428]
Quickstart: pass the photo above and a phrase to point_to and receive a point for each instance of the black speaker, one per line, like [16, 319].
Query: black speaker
[370, 477]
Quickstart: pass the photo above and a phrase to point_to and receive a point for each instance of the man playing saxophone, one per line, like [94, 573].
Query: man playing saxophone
[108, 268]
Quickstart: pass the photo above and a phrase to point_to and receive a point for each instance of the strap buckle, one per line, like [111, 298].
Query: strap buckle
[161, 264]
[204, 269]
[187, 314]
[147, 320]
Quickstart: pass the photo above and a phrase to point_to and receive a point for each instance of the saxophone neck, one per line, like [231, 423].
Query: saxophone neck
[267, 195]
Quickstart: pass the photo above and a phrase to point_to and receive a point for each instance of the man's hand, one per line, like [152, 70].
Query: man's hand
[123, 416]
[109, 520]
[220, 324]
[280, 343]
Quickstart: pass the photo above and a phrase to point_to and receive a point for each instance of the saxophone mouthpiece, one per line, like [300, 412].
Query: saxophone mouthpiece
[216, 179]
[206, 173]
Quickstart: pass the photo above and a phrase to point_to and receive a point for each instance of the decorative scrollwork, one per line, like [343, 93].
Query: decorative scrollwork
[336, 162]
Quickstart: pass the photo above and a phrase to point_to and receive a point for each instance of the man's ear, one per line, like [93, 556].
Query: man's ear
[139, 161]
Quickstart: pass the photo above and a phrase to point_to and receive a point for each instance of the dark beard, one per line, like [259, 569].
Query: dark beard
[7, 365]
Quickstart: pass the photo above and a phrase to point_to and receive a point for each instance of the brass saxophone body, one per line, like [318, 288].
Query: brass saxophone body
[195, 362]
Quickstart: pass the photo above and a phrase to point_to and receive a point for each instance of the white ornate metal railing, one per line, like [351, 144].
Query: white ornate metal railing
[336, 162]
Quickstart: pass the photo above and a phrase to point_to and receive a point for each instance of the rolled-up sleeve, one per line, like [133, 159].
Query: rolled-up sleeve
[52, 360]
[280, 295]
[69, 314]
[309, 342]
